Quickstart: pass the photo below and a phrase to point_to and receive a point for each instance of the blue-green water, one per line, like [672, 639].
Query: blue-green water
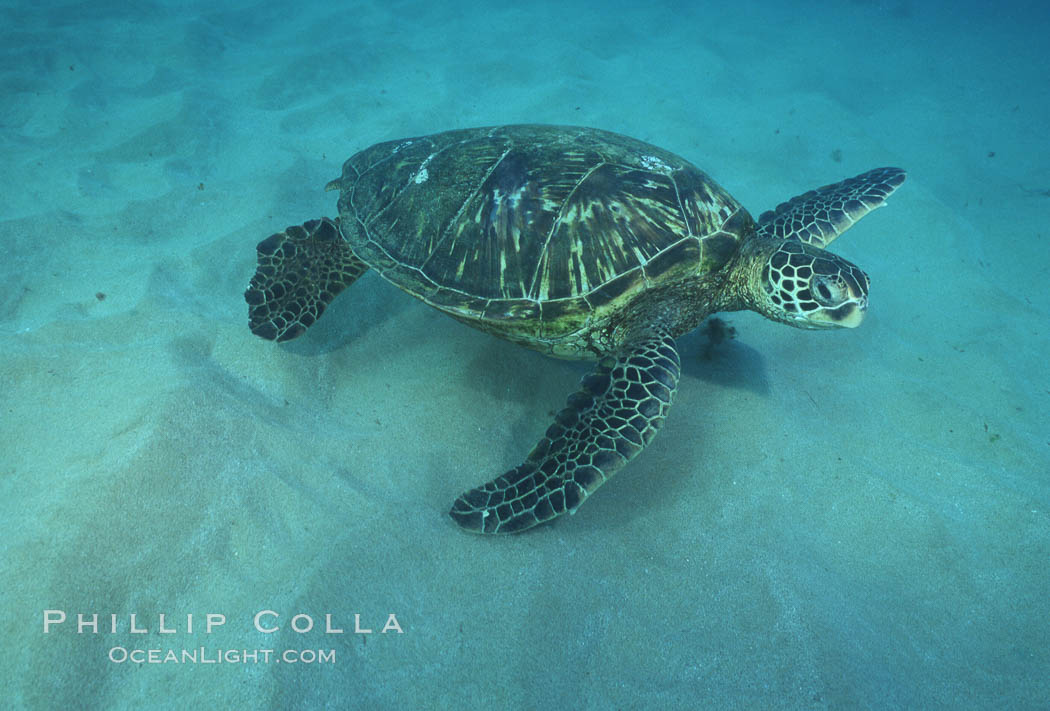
[850, 519]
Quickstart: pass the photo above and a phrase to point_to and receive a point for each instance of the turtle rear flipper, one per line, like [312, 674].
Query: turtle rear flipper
[822, 215]
[613, 416]
[300, 271]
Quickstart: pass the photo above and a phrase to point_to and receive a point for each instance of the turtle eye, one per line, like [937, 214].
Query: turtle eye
[827, 292]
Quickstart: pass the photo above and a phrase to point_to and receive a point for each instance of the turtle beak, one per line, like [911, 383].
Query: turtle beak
[848, 315]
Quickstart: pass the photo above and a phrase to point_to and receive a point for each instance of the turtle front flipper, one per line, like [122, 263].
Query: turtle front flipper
[613, 416]
[822, 215]
[300, 271]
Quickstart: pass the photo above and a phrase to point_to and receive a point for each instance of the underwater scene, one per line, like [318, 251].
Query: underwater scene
[557, 246]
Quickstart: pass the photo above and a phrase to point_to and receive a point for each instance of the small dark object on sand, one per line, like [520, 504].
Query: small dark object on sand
[717, 331]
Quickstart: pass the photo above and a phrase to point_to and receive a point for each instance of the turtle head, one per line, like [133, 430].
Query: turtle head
[807, 287]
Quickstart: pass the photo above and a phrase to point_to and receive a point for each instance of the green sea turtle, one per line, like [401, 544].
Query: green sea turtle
[579, 243]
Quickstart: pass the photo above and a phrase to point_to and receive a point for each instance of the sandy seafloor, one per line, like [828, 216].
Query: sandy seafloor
[850, 519]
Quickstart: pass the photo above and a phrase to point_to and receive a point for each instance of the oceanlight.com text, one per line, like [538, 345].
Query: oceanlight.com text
[202, 655]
